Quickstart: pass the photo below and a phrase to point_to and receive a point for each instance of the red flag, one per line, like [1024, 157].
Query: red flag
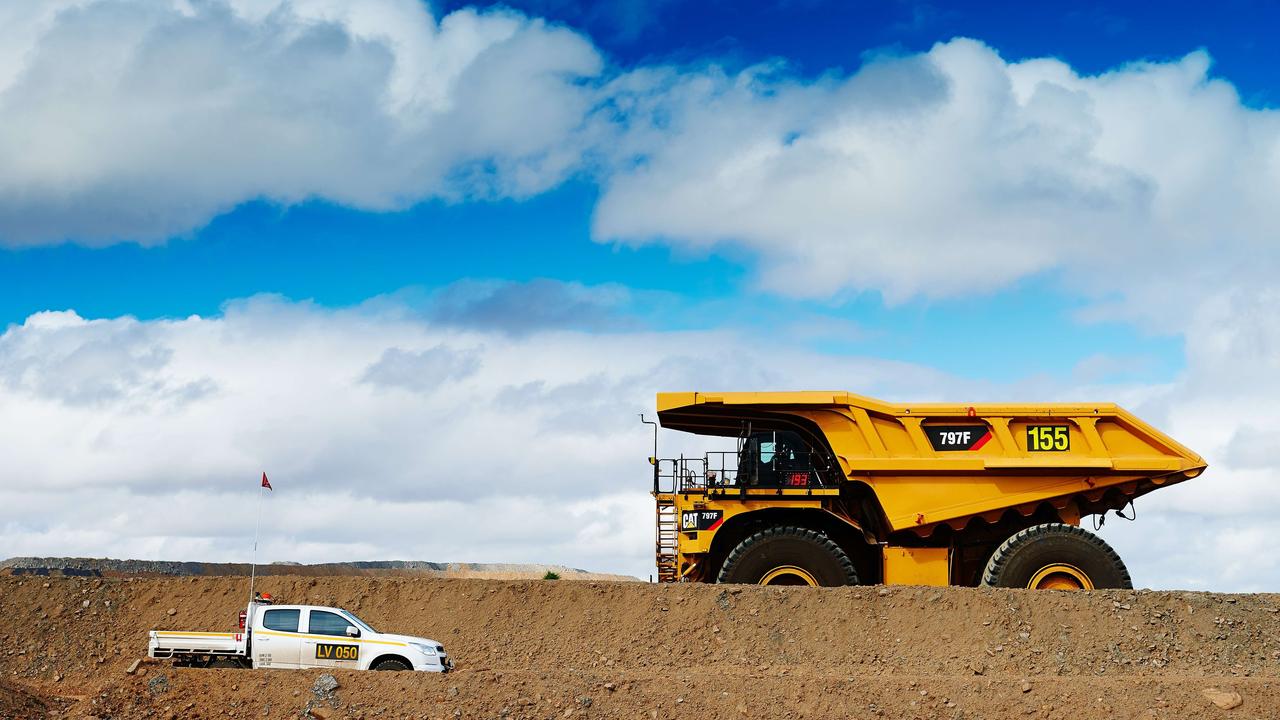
[265, 482]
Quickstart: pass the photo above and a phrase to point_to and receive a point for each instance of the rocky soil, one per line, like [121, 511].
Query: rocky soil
[541, 649]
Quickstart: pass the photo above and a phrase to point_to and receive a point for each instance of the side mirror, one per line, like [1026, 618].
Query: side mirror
[353, 631]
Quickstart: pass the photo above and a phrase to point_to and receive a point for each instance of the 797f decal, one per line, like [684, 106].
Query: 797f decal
[957, 437]
[701, 519]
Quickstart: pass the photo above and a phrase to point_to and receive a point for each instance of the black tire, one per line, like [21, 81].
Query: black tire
[391, 665]
[222, 662]
[776, 547]
[1017, 561]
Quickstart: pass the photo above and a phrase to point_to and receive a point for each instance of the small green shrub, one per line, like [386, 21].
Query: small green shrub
[551, 575]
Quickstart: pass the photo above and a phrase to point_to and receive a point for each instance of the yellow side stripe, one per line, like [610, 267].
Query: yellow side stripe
[333, 638]
[338, 638]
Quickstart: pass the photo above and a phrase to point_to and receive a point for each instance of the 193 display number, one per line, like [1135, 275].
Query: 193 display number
[1048, 438]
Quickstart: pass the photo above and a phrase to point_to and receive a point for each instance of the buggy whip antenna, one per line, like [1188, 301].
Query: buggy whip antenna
[253, 567]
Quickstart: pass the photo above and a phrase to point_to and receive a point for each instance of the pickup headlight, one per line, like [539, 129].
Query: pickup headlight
[428, 650]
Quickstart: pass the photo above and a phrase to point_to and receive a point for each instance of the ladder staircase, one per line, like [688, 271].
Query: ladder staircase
[668, 527]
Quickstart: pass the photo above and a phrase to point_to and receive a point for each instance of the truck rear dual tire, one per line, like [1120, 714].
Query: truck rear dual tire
[1054, 556]
[787, 555]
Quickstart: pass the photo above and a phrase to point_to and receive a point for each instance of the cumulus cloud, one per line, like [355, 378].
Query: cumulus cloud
[129, 120]
[489, 445]
[956, 172]
[60, 356]
[495, 446]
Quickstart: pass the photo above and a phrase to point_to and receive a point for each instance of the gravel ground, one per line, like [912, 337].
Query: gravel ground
[540, 649]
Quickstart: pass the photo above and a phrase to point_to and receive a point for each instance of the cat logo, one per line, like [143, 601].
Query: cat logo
[691, 520]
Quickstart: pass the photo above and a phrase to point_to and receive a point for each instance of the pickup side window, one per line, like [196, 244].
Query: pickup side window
[327, 623]
[282, 620]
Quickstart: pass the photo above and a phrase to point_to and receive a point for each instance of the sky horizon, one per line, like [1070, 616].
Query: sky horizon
[424, 263]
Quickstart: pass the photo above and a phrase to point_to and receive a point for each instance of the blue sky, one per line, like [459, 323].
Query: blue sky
[338, 256]
[817, 36]
[363, 239]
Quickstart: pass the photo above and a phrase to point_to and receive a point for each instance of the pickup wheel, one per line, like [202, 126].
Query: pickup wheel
[391, 664]
[222, 662]
[1055, 556]
[787, 555]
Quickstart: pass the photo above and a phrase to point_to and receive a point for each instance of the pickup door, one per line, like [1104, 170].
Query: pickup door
[278, 644]
[327, 644]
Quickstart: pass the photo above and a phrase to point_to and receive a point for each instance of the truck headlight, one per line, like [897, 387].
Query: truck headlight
[428, 650]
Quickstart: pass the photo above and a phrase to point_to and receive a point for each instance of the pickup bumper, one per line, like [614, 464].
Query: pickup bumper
[434, 664]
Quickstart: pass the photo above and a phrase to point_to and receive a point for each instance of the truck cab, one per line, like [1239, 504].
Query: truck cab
[301, 636]
[776, 458]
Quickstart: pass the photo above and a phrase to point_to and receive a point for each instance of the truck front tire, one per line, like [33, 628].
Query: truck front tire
[391, 664]
[787, 555]
[1054, 556]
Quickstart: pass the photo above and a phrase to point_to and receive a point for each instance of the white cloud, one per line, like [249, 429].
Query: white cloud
[130, 120]
[494, 446]
[956, 172]
[100, 363]
[453, 443]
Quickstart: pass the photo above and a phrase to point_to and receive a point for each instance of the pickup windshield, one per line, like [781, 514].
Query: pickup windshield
[352, 617]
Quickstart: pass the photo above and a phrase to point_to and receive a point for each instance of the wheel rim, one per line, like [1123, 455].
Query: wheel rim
[1060, 576]
[789, 575]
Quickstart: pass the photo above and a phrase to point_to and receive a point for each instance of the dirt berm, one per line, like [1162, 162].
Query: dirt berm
[544, 649]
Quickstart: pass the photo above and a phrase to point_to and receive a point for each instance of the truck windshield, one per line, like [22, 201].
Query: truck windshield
[352, 617]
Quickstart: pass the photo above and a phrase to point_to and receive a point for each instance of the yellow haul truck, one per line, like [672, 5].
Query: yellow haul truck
[831, 488]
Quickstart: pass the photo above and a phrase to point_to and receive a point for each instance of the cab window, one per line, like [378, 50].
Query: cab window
[282, 620]
[778, 458]
[357, 621]
[327, 623]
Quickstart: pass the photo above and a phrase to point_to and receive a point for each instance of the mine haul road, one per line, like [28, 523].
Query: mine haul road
[544, 649]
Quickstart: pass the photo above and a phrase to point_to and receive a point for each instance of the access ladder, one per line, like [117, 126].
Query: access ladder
[668, 527]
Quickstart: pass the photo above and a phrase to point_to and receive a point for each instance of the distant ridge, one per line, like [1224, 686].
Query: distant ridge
[107, 567]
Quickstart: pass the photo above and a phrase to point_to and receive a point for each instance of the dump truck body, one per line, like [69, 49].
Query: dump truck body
[916, 494]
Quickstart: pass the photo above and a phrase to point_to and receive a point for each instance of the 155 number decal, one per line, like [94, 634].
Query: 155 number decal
[1048, 438]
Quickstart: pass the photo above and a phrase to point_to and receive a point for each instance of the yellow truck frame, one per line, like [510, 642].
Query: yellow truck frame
[832, 488]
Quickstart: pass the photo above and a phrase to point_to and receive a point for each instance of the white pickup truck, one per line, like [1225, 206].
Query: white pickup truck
[300, 636]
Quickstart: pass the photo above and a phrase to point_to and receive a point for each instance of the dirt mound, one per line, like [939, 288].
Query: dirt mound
[17, 703]
[107, 567]
[604, 650]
